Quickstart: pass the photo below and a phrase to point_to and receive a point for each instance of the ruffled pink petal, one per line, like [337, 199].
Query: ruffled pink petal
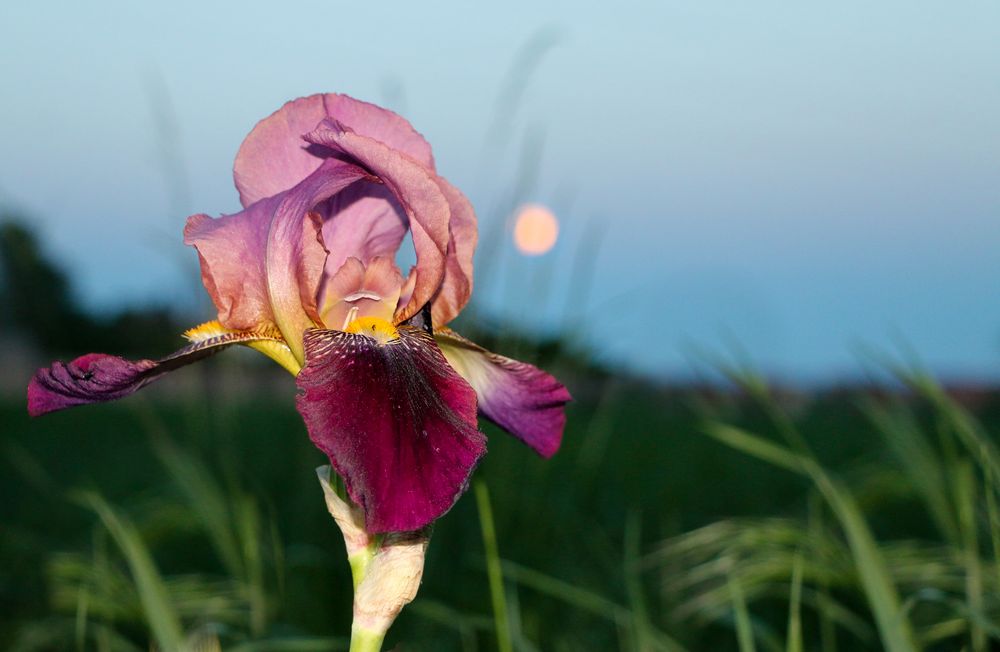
[365, 221]
[232, 250]
[274, 158]
[264, 265]
[288, 257]
[397, 422]
[98, 377]
[520, 398]
[312, 264]
[456, 287]
[415, 188]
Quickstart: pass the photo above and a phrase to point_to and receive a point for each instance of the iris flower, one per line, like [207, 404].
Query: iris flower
[306, 274]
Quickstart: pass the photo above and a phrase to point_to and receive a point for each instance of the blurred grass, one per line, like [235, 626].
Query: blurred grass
[851, 520]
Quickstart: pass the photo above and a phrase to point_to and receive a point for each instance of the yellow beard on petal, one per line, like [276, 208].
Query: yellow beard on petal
[279, 352]
[270, 343]
[206, 331]
[376, 328]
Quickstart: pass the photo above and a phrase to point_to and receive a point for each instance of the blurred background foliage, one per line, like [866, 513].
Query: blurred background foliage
[731, 515]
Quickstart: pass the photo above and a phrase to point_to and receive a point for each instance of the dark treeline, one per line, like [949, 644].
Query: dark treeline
[42, 307]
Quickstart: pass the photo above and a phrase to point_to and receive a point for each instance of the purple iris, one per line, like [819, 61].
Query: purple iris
[306, 274]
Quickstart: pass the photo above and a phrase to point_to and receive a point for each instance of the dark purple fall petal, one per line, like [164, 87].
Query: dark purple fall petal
[98, 377]
[520, 398]
[397, 422]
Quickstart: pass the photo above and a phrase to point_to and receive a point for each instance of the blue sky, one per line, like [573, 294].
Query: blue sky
[801, 179]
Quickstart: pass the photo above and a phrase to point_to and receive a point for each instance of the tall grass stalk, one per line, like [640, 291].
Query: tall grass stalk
[494, 568]
[163, 620]
[793, 639]
[741, 615]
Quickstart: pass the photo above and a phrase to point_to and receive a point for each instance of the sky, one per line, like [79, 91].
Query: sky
[804, 183]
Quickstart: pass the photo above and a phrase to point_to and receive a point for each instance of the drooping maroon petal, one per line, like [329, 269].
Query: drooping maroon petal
[397, 422]
[274, 158]
[416, 189]
[98, 377]
[520, 398]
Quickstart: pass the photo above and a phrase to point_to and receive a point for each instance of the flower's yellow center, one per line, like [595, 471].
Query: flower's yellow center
[374, 327]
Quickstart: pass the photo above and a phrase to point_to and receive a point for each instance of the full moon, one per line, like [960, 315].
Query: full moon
[535, 229]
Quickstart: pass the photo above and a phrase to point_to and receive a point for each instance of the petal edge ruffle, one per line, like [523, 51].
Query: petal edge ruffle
[273, 157]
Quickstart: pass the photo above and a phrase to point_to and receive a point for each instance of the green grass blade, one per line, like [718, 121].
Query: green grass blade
[207, 501]
[793, 640]
[494, 569]
[894, 628]
[755, 446]
[993, 518]
[644, 635]
[893, 625]
[817, 530]
[965, 482]
[966, 429]
[163, 620]
[582, 599]
[633, 583]
[588, 601]
[921, 463]
[744, 627]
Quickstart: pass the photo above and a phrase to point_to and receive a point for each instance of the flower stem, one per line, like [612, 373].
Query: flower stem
[359, 562]
[493, 569]
[363, 640]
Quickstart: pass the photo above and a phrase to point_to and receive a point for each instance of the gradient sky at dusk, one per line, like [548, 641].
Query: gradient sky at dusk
[804, 180]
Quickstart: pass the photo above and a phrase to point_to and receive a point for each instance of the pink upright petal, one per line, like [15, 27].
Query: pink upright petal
[232, 250]
[398, 423]
[520, 398]
[274, 158]
[456, 287]
[291, 257]
[309, 272]
[264, 265]
[98, 377]
[363, 222]
[416, 189]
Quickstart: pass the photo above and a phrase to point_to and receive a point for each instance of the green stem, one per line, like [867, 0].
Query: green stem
[363, 640]
[360, 561]
[493, 568]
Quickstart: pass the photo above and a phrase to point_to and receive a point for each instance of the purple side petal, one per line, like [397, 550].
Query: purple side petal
[520, 398]
[98, 377]
[397, 422]
[274, 158]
